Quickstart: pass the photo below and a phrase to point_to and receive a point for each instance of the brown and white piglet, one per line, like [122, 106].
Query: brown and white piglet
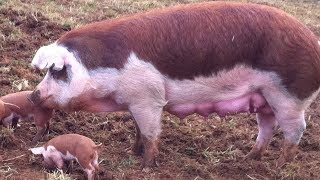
[69, 147]
[16, 106]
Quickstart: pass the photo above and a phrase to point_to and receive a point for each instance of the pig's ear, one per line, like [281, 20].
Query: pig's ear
[51, 55]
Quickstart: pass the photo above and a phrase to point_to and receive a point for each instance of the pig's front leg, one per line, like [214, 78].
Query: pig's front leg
[41, 119]
[148, 121]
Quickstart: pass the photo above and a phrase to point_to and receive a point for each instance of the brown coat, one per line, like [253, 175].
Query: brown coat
[218, 35]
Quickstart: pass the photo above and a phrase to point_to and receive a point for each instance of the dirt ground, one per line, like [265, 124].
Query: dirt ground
[189, 149]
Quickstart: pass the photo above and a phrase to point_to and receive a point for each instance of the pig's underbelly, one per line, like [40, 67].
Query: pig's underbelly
[252, 103]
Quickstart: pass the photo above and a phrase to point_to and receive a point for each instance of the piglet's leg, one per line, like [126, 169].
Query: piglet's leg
[14, 122]
[95, 162]
[87, 165]
[90, 173]
[266, 124]
[148, 121]
[293, 127]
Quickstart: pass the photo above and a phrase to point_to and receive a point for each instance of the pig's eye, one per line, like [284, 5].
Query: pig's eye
[59, 75]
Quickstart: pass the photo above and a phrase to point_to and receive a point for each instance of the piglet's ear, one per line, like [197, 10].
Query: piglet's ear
[51, 55]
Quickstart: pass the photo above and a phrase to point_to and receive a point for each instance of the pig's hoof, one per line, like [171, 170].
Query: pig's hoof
[281, 162]
[34, 141]
[150, 163]
[138, 149]
[126, 117]
[254, 154]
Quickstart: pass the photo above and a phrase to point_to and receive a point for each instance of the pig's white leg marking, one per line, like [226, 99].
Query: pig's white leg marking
[148, 120]
[142, 87]
[266, 124]
[95, 162]
[293, 128]
[289, 113]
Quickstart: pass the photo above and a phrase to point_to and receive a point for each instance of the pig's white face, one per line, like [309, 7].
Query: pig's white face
[66, 79]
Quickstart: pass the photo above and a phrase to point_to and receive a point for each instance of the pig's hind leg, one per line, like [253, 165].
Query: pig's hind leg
[88, 167]
[292, 127]
[266, 124]
[289, 114]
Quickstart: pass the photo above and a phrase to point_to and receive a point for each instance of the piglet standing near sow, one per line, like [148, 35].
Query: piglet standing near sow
[68, 147]
[223, 57]
[17, 106]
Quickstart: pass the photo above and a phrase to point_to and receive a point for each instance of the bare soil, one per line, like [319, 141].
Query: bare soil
[190, 149]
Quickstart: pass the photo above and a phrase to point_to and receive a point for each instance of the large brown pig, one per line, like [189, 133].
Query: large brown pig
[222, 57]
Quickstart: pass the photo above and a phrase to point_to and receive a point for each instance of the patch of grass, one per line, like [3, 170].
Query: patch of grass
[197, 170]
[290, 171]
[126, 162]
[7, 138]
[57, 175]
[229, 123]
[7, 170]
[9, 32]
[214, 156]
[210, 156]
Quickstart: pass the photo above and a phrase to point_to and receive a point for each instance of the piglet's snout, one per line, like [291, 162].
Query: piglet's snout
[34, 97]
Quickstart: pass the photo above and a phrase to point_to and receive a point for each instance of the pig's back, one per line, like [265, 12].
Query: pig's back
[203, 39]
[71, 143]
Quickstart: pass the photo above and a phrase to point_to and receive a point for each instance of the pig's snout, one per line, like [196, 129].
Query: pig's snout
[34, 97]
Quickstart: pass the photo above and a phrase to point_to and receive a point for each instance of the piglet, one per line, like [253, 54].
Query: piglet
[16, 106]
[69, 147]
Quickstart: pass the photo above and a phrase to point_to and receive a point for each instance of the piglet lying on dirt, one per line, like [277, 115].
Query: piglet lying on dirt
[16, 105]
[69, 147]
